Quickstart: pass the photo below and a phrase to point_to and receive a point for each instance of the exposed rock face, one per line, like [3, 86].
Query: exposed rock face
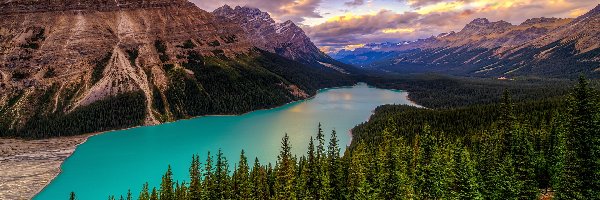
[285, 38]
[584, 31]
[73, 53]
[481, 33]
[541, 47]
[67, 38]
[30, 6]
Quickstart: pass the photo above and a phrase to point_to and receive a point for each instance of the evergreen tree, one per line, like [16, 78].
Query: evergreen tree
[358, 186]
[144, 194]
[260, 185]
[166, 186]
[323, 183]
[311, 171]
[154, 194]
[334, 170]
[507, 115]
[72, 196]
[522, 152]
[580, 177]
[557, 152]
[195, 189]
[301, 178]
[271, 179]
[424, 181]
[241, 181]
[285, 172]
[466, 182]
[129, 197]
[209, 187]
[222, 176]
[321, 144]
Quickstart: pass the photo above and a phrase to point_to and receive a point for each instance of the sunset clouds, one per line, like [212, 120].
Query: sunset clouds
[336, 24]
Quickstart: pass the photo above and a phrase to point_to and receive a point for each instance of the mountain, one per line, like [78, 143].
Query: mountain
[76, 66]
[285, 39]
[547, 47]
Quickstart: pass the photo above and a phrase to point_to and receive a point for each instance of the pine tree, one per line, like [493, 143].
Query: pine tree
[580, 177]
[129, 197]
[181, 191]
[323, 183]
[154, 194]
[144, 194]
[321, 143]
[260, 185]
[72, 196]
[521, 150]
[166, 186]
[271, 179]
[301, 178]
[557, 152]
[241, 181]
[424, 172]
[466, 182]
[334, 172]
[222, 176]
[209, 187]
[285, 172]
[195, 189]
[358, 186]
[507, 116]
[311, 172]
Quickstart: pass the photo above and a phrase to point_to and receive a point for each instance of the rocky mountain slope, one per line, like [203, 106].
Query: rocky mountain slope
[537, 47]
[76, 66]
[285, 39]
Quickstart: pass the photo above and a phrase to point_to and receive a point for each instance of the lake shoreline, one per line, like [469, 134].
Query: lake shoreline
[83, 138]
[29, 166]
[46, 161]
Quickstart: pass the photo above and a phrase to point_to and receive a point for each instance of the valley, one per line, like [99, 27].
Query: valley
[99, 99]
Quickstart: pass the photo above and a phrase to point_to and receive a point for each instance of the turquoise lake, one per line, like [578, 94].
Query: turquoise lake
[113, 162]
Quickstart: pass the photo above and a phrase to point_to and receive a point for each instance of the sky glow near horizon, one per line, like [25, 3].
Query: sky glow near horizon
[347, 24]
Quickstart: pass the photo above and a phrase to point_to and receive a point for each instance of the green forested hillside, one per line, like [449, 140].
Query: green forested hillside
[200, 85]
[525, 150]
[442, 91]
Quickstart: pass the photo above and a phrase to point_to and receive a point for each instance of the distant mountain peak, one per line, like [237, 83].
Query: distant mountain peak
[480, 21]
[286, 39]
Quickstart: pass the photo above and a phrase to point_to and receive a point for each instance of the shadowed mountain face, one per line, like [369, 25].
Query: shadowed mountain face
[548, 47]
[163, 59]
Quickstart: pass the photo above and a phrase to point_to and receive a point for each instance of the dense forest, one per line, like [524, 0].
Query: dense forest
[443, 91]
[197, 85]
[529, 150]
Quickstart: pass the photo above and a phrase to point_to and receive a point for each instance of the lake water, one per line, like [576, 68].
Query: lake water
[113, 162]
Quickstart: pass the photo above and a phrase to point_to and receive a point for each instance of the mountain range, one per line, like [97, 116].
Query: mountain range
[546, 47]
[78, 66]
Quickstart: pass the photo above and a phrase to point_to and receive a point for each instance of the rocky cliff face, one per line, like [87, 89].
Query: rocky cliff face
[286, 39]
[58, 57]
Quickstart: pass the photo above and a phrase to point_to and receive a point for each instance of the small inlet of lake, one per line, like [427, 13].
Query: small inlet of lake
[113, 162]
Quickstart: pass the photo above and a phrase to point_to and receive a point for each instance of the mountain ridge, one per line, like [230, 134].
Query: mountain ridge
[554, 47]
[169, 57]
[285, 38]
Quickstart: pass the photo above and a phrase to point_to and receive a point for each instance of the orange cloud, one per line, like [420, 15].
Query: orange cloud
[398, 30]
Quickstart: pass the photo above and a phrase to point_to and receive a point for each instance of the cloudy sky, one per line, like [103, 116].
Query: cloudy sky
[338, 24]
